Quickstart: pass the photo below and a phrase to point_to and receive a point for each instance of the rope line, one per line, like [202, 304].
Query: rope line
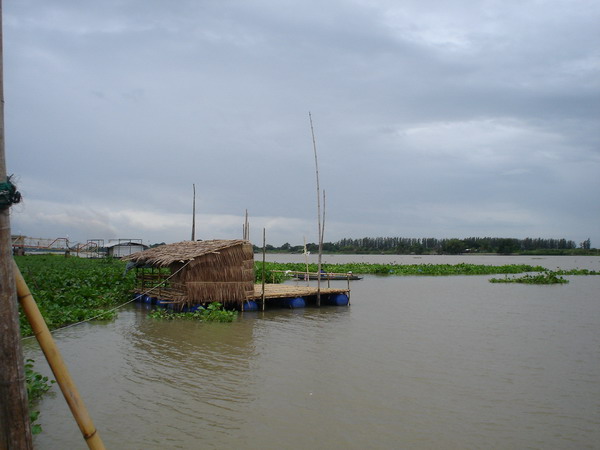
[8, 194]
[116, 307]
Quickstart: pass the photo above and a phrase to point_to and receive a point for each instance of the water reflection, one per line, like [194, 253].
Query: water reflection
[192, 364]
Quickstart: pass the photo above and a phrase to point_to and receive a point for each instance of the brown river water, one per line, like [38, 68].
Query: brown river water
[413, 362]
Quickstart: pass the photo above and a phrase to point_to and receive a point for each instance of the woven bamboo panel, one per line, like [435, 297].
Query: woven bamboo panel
[222, 292]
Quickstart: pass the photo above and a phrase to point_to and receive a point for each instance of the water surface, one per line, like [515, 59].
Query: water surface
[413, 362]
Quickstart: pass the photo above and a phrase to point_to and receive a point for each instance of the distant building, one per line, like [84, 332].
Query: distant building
[124, 248]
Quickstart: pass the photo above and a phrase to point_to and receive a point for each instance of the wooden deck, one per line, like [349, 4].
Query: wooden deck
[287, 291]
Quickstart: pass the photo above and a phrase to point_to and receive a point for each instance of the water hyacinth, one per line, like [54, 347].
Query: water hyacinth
[542, 278]
[70, 290]
[212, 313]
[395, 269]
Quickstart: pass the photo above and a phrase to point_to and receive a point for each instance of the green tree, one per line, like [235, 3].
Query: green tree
[507, 246]
[454, 246]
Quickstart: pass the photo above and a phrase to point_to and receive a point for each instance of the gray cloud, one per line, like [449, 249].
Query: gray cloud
[432, 118]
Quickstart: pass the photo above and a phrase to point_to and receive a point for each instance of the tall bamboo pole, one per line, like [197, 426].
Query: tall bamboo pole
[312, 130]
[56, 363]
[15, 431]
[246, 228]
[306, 261]
[263, 267]
[322, 234]
[194, 214]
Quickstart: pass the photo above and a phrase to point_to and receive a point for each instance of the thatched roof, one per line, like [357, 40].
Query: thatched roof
[125, 244]
[167, 254]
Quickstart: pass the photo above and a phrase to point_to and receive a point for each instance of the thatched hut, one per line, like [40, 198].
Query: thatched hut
[198, 272]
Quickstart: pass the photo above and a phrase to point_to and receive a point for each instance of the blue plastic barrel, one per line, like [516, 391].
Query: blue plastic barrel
[338, 300]
[250, 305]
[297, 302]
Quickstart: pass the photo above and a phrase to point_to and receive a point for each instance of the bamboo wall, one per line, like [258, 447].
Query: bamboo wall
[226, 276]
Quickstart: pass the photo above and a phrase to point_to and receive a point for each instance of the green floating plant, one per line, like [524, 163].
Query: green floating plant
[212, 313]
[542, 278]
[37, 385]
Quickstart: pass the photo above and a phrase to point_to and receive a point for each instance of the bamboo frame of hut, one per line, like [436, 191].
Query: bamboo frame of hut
[200, 272]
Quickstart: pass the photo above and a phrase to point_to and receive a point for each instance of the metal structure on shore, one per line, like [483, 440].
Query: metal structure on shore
[92, 248]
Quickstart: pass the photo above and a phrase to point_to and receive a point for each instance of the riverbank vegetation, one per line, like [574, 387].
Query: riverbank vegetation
[70, 290]
[433, 246]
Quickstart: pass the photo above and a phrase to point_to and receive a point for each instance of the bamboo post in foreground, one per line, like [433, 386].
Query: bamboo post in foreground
[59, 369]
[15, 430]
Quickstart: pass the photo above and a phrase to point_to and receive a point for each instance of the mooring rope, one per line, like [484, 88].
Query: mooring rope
[117, 307]
[8, 194]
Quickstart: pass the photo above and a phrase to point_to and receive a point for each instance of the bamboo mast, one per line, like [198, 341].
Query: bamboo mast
[312, 130]
[321, 236]
[263, 267]
[306, 261]
[246, 228]
[56, 363]
[194, 214]
[15, 430]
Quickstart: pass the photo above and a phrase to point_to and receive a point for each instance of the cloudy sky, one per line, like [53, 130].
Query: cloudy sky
[432, 118]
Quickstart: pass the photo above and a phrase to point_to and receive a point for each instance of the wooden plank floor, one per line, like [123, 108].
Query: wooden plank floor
[285, 291]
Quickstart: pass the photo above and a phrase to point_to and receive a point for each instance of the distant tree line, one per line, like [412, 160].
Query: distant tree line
[400, 245]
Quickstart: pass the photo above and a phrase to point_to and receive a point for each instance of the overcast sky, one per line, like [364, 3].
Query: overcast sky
[432, 118]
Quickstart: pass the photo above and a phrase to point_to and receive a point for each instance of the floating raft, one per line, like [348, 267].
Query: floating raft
[286, 296]
[274, 291]
[188, 274]
[276, 295]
